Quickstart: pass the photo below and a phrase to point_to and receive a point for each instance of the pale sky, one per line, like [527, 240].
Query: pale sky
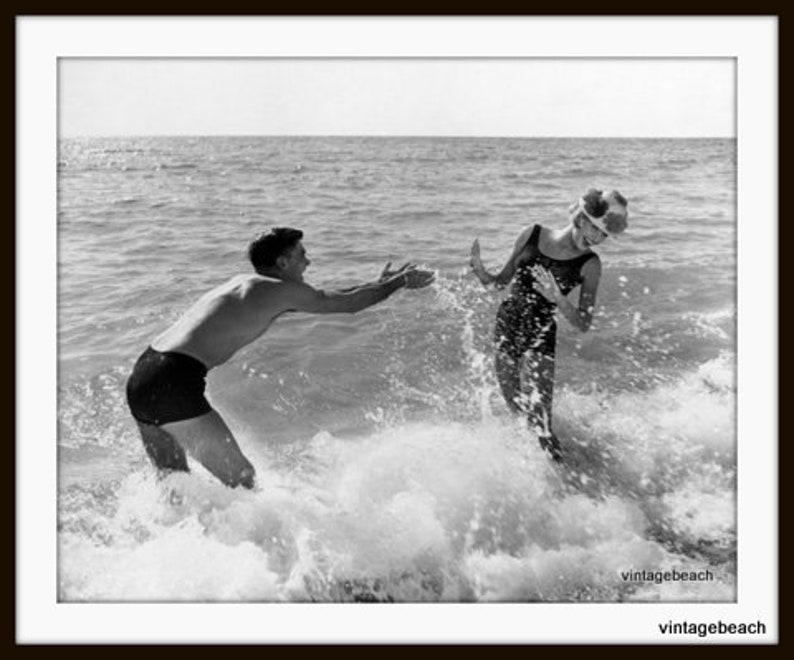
[515, 97]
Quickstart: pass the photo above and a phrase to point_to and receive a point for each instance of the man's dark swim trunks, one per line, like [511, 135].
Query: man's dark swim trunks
[167, 387]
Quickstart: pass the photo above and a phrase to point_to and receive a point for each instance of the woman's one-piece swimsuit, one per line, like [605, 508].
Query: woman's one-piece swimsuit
[525, 320]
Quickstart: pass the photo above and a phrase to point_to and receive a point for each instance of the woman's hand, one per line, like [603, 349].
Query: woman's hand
[475, 262]
[546, 284]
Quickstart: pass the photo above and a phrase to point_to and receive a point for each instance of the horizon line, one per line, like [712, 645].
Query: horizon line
[390, 136]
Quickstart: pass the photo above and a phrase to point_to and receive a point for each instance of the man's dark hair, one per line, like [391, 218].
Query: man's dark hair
[270, 245]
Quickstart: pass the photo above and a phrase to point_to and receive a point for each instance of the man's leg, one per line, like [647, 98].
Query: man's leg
[164, 452]
[211, 443]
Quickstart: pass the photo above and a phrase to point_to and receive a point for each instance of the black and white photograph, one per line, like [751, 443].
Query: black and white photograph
[460, 328]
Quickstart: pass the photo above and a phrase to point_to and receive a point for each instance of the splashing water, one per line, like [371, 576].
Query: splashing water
[446, 507]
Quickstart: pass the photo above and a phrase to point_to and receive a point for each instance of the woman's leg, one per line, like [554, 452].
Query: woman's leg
[537, 385]
[526, 376]
[528, 387]
[508, 373]
[509, 335]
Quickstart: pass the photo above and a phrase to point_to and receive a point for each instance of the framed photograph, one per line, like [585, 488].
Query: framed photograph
[397, 330]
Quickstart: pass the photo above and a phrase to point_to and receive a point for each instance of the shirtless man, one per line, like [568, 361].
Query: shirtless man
[165, 391]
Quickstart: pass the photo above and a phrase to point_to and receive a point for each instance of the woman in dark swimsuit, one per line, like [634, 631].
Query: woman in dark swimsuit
[547, 264]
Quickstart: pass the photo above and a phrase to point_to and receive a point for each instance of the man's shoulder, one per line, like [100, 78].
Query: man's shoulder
[272, 287]
[256, 281]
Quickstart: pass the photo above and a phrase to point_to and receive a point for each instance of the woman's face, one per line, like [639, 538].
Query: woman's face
[586, 234]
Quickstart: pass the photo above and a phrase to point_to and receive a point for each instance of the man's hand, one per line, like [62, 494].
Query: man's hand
[386, 273]
[418, 279]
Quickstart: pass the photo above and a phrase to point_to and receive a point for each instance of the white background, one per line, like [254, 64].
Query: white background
[41, 41]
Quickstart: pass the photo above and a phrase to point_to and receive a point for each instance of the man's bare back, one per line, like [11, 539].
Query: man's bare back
[226, 318]
[165, 391]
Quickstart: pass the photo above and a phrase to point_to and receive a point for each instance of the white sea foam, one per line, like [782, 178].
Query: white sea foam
[436, 511]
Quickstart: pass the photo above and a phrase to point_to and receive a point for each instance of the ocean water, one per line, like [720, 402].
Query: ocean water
[389, 468]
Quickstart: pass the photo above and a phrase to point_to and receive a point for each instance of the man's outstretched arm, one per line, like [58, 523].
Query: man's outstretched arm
[304, 298]
[386, 274]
